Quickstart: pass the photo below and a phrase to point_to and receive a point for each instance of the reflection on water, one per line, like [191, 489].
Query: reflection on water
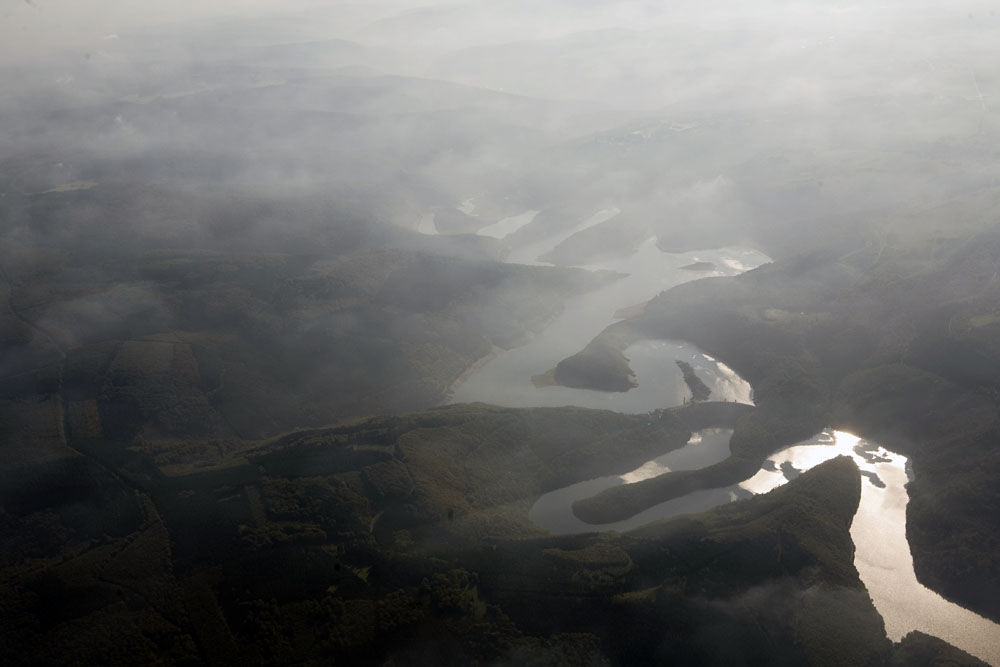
[554, 511]
[507, 226]
[506, 379]
[882, 554]
[427, 225]
[529, 254]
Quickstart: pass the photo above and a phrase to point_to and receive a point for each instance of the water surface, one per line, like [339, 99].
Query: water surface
[554, 510]
[882, 553]
[507, 379]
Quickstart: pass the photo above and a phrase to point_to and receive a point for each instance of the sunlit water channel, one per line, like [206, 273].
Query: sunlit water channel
[554, 510]
[882, 554]
[507, 379]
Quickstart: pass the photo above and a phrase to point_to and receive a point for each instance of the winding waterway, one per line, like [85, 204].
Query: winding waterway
[554, 510]
[507, 378]
[882, 553]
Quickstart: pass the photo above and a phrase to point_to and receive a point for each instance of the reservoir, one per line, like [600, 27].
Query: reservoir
[507, 379]
[882, 553]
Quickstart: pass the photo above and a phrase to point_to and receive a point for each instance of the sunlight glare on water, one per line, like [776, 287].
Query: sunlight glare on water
[882, 553]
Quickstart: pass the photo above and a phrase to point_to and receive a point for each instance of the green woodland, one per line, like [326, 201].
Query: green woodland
[151, 507]
[244, 270]
[892, 343]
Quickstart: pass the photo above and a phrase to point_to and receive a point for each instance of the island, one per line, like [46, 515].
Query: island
[699, 390]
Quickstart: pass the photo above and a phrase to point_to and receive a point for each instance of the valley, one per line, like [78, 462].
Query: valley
[499, 333]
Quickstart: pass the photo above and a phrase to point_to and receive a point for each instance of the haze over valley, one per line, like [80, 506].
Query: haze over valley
[562, 332]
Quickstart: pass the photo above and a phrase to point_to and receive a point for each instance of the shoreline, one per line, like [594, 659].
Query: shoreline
[546, 379]
[628, 312]
[470, 371]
